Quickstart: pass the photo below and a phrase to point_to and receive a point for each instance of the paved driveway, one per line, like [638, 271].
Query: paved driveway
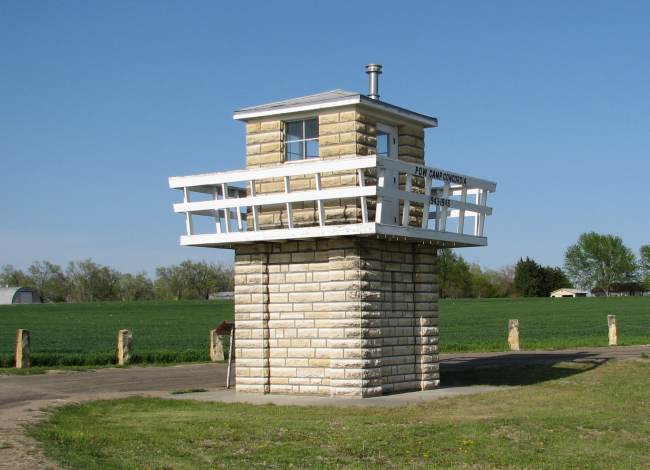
[57, 386]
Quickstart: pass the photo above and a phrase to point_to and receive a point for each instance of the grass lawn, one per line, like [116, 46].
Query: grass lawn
[85, 334]
[579, 416]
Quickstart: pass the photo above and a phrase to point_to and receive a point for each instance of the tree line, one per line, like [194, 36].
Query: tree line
[526, 278]
[596, 262]
[88, 281]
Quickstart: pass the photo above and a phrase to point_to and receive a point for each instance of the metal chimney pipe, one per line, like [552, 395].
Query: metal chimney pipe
[373, 71]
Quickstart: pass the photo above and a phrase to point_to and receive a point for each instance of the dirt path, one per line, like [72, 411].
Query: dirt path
[23, 397]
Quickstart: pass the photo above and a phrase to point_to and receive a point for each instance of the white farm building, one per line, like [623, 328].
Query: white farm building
[565, 292]
[19, 295]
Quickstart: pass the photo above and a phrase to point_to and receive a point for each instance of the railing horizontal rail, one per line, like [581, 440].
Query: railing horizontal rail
[289, 169]
[437, 174]
[434, 200]
[277, 198]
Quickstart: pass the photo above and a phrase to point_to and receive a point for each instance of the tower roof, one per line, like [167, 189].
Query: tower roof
[331, 99]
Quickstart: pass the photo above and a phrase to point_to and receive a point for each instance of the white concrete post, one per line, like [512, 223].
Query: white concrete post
[613, 334]
[216, 347]
[124, 345]
[513, 335]
[23, 348]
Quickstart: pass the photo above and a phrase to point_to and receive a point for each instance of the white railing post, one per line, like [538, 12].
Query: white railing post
[319, 202]
[189, 225]
[461, 213]
[476, 214]
[240, 224]
[254, 207]
[364, 205]
[425, 208]
[406, 210]
[436, 225]
[443, 215]
[287, 190]
[380, 185]
[217, 217]
[226, 212]
[481, 216]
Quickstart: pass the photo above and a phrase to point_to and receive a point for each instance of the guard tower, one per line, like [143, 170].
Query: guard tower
[335, 223]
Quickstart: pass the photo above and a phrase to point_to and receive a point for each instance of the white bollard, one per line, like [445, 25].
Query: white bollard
[613, 334]
[513, 335]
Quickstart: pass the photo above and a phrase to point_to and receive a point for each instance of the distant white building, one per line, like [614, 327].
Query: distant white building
[19, 295]
[566, 292]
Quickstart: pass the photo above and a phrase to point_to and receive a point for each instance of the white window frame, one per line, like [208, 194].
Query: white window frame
[303, 141]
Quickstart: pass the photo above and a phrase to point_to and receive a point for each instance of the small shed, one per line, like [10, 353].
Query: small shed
[566, 292]
[19, 295]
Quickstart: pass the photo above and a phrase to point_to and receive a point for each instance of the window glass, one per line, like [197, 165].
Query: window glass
[382, 144]
[312, 149]
[301, 139]
[294, 150]
[294, 130]
[311, 129]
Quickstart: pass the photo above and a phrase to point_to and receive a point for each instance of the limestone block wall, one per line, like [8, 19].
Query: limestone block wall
[404, 312]
[345, 316]
[342, 133]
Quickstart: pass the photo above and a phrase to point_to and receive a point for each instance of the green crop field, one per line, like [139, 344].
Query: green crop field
[85, 334]
[544, 323]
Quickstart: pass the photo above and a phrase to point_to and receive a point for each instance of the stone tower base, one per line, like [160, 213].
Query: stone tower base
[346, 316]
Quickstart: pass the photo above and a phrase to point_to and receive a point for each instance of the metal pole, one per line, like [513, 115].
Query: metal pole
[231, 350]
[373, 71]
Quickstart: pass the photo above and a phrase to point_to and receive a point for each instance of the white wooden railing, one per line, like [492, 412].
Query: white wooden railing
[440, 196]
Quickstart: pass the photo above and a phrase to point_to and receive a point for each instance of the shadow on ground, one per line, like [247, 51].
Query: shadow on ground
[516, 369]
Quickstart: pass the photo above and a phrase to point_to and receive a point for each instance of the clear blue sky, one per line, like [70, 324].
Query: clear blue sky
[101, 101]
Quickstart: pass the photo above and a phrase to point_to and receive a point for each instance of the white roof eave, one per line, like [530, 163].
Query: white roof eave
[421, 119]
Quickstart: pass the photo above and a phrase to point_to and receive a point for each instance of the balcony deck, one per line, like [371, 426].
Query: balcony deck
[450, 208]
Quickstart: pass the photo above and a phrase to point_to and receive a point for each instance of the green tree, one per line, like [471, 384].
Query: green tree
[598, 261]
[644, 263]
[552, 279]
[90, 281]
[192, 280]
[528, 278]
[490, 283]
[136, 287]
[455, 278]
[170, 282]
[204, 279]
[50, 280]
[534, 280]
[10, 276]
[483, 283]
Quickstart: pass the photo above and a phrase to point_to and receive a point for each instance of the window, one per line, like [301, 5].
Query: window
[382, 143]
[301, 140]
